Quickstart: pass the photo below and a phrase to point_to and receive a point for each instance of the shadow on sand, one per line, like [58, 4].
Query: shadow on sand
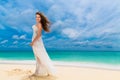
[34, 77]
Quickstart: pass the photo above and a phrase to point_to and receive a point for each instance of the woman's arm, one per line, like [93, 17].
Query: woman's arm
[38, 35]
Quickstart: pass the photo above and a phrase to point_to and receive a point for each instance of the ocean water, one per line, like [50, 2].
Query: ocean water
[104, 57]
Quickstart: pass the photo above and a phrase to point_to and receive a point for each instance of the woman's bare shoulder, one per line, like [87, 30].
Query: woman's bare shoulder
[39, 26]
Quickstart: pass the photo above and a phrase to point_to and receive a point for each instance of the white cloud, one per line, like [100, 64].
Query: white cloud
[71, 33]
[23, 37]
[4, 41]
[94, 14]
[15, 37]
[15, 42]
[20, 14]
[57, 10]
[19, 37]
[57, 25]
[94, 20]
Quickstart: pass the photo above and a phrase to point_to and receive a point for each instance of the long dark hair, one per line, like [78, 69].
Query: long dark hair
[44, 21]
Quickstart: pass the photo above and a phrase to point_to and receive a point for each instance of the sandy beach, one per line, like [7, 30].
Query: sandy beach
[17, 71]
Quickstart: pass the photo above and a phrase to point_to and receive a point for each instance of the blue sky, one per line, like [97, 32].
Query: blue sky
[76, 24]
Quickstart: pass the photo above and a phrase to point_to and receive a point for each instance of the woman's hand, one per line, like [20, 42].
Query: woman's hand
[31, 44]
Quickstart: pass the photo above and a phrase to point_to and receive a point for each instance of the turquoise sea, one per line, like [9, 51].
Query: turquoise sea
[104, 57]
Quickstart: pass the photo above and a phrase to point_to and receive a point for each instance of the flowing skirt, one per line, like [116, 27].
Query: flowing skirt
[44, 65]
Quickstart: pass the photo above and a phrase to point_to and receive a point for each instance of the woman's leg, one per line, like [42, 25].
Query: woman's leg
[38, 63]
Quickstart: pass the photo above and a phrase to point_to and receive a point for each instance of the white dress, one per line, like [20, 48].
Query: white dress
[44, 65]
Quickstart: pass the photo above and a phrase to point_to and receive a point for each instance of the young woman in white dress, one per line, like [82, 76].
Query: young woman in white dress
[44, 65]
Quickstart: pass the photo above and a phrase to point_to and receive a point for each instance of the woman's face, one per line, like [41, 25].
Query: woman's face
[38, 18]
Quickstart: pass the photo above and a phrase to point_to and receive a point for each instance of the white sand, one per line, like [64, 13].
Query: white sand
[19, 71]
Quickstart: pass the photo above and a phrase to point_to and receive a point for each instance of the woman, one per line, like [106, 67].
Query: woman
[44, 66]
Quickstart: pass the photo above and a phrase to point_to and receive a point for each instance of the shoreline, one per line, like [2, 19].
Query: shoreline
[61, 63]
